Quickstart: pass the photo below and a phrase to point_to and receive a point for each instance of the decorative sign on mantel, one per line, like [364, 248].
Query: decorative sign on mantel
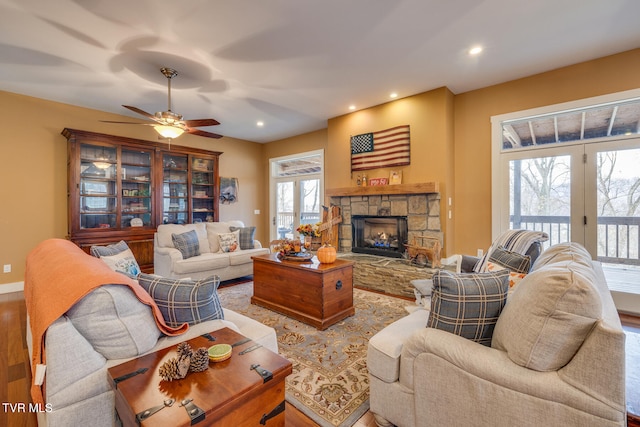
[382, 149]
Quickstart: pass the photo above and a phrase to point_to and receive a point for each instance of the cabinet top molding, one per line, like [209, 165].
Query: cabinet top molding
[105, 138]
[377, 190]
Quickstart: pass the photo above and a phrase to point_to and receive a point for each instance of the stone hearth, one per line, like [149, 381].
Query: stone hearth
[390, 276]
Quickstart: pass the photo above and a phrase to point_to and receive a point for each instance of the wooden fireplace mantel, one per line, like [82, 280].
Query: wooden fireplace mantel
[375, 190]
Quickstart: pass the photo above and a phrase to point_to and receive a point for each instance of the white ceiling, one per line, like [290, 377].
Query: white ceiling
[292, 64]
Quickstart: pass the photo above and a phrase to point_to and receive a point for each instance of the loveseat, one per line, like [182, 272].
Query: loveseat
[83, 318]
[223, 248]
[555, 355]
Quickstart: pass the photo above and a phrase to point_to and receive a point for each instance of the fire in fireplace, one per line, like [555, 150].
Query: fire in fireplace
[379, 235]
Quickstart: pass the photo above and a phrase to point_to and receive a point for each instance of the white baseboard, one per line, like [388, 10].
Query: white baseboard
[11, 287]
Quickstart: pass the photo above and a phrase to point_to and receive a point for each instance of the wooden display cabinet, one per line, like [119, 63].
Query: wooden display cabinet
[122, 188]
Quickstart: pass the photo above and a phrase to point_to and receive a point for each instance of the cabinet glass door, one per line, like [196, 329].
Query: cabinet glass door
[175, 209]
[202, 189]
[98, 183]
[136, 188]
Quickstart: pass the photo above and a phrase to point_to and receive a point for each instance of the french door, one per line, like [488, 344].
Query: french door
[296, 192]
[297, 202]
[586, 193]
[613, 174]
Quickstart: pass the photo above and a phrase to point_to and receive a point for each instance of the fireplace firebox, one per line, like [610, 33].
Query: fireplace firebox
[379, 235]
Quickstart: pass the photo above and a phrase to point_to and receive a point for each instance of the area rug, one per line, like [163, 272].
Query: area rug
[330, 382]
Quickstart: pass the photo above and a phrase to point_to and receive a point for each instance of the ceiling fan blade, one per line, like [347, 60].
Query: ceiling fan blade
[201, 122]
[130, 123]
[142, 112]
[206, 134]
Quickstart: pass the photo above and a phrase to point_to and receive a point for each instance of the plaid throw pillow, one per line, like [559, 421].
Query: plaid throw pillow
[246, 237]
[468, 304]
[510, 260]
[109, 250]
[184, 301]
[517, 241]
[518, 265]
[186, 243]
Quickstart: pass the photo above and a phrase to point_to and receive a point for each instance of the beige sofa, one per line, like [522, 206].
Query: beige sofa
[556, 357]
[106, 327]
[169, 262]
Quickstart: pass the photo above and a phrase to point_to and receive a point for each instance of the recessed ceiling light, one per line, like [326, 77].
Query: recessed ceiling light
[393, 95]
[475, 50]
[352, 107]
[260, 124]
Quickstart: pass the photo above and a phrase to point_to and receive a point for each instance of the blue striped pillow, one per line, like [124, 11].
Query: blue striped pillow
[183, 300]
[468, 304]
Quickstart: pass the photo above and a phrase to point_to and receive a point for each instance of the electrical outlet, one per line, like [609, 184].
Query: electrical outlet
[256, 212]
[7, 268]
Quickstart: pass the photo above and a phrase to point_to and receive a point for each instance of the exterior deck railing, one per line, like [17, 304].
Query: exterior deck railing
[285, 222]
[618, 237]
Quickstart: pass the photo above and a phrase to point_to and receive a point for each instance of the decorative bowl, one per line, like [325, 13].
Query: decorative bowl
[219, 352]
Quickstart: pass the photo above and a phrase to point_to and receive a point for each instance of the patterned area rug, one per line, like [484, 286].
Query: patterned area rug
[330, 382]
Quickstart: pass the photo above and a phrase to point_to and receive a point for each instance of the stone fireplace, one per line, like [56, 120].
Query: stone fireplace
[418, 203]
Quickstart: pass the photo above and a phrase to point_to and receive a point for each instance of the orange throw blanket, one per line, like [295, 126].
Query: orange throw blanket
[58, 274]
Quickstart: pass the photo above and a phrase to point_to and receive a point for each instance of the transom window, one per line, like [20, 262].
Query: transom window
[607, 120]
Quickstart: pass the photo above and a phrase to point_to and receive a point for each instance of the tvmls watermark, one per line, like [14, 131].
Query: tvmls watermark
[22, 407]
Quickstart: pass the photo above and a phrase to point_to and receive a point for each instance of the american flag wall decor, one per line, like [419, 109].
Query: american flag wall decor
[382, 149]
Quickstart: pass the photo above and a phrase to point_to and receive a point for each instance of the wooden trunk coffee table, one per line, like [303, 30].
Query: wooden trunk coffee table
[317, 294]
[229, 393]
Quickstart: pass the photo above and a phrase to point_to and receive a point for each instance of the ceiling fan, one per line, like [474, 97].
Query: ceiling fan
[169, 124]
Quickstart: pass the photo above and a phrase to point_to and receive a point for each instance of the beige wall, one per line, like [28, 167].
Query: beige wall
[472, 118]
[430, 117]
[33, 176]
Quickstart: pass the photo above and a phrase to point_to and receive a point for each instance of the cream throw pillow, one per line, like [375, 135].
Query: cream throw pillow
[550, 313]
[123, 262]
[228, 242]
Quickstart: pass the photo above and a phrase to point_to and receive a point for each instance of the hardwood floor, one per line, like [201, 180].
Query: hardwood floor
[15, 374]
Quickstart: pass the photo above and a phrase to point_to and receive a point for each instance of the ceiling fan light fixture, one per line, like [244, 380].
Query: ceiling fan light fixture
[102, 165]
[168, 131]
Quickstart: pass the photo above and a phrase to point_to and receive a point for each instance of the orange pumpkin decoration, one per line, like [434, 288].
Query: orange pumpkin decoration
[326, 254]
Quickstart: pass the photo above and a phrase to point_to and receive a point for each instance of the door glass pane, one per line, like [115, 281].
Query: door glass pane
[310, 201]
[98, 195]
[540, 196]
[136, 188]
[284, 209]
[202, 190]
[174, 189]
[618, 180]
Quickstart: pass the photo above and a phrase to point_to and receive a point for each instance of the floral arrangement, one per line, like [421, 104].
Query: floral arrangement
[286, 247]
[309, 230]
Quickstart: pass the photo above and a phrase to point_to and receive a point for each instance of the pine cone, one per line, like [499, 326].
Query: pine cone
[175, 368]
[184, 349]
[199, 360]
